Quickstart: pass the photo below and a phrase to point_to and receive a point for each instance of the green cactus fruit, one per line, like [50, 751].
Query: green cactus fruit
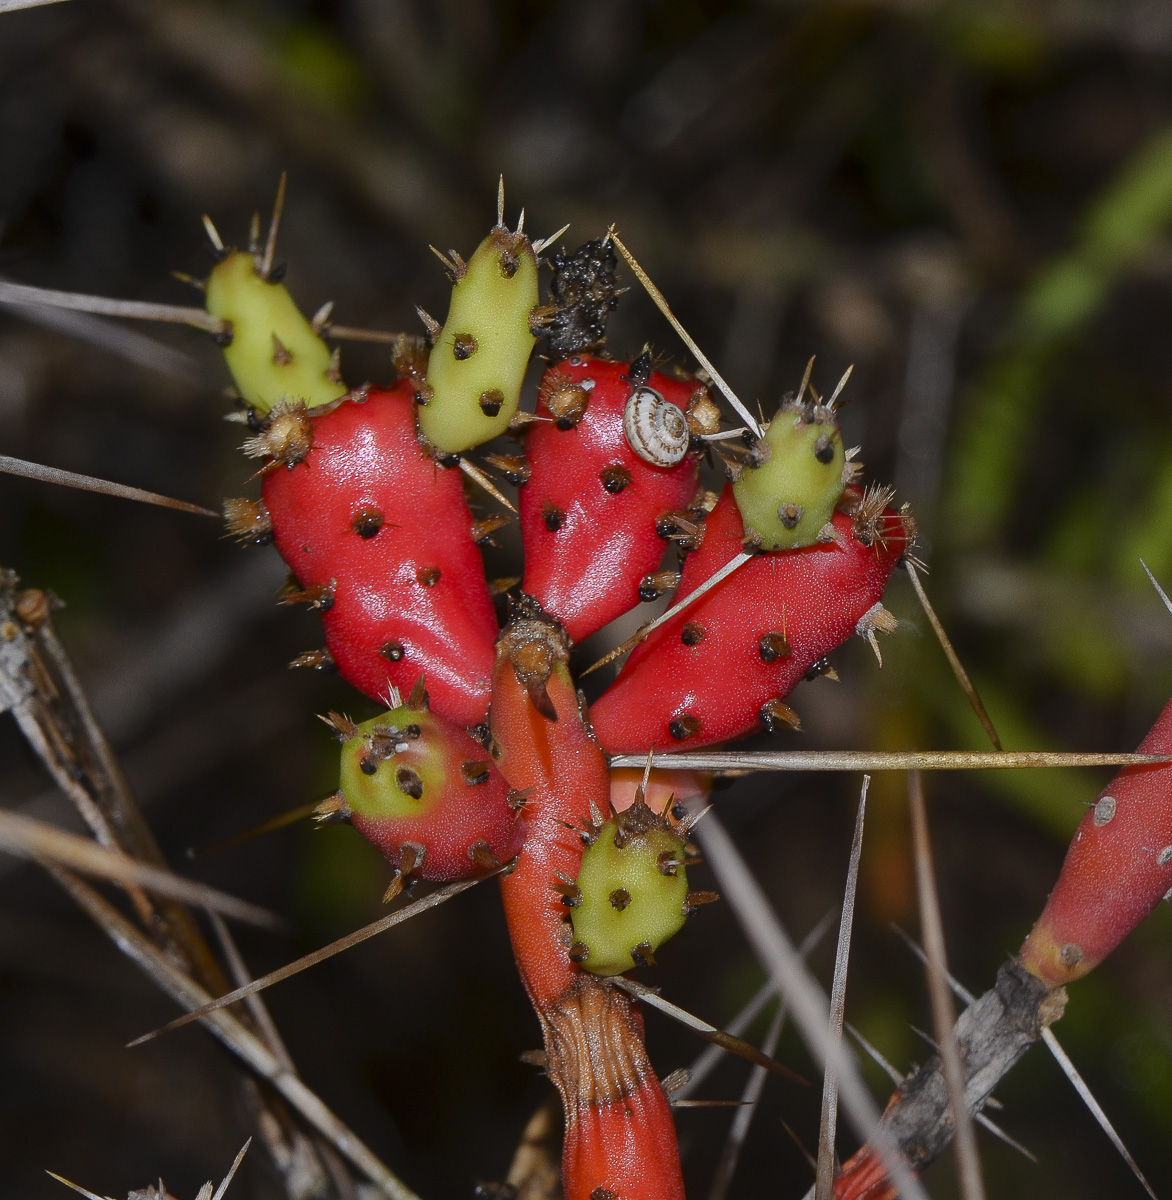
[426, 795]
[631, 893]
[788, 499]
[480, 355]
[274, 354]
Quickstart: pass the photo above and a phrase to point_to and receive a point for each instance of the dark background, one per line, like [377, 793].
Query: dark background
[968, 199]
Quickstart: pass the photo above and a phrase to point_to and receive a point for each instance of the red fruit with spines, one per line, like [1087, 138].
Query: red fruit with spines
[384, 535]
[590, 508]
[619, 1133]
[426, 794]
[706, 675]
[1118, 868]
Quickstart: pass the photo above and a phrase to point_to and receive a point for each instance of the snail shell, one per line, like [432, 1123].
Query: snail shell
[656, 429]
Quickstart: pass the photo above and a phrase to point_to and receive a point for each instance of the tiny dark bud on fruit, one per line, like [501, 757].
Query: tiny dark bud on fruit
[367, 522]
[772, 646]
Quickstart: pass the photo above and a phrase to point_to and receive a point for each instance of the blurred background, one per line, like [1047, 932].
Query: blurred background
[970, 200]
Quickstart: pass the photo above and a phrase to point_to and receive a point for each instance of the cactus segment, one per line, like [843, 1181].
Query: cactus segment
[676, 692]
[416, 782]
[383, 535]
[478, 362]
[632, 892]
[1118, 868]
[787, 499]
[586, 565]
[274, 354]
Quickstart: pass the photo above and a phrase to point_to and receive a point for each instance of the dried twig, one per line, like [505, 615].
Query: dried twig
[36, 840]
[824, 1183]
[943, 1014]
[90, 483]
[880, 760]
[244, 1044]
[436, 898]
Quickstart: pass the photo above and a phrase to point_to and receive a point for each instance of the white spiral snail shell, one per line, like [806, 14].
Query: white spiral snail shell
[656, 429]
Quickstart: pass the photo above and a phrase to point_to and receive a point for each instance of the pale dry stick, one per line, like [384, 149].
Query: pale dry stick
[90, 483]
[53, 1174]
[699, 1071]
[828, 1124]
[1066, 1065]
[750, 1097]
[943, 1014]
[224, 1183]
[267, 1029]
[107, 306]
[884, 760]
[14, 5]
[710, 1033]
[962, 676]
[238, 969]
[1159, 590]
[808, 1002]
[661, 303]
[644, 631]
[115, 339]
[481, 479]
[244, 1044]
[316, 956]
[35, 840]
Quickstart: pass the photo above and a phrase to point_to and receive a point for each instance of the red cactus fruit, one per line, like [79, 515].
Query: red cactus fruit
[426, 795]
[592, 505]
[619, 1135]
[380, 538]
[1118, 868]
[721, 668]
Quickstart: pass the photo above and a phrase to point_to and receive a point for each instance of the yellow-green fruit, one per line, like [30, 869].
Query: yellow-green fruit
[633, 895]
[274, 354]
[478, 362]
[787, 500]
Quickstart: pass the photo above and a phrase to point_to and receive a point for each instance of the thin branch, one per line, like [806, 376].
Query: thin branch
[644, 631]
[881, 760]
[747, 1108]
[663, 306]
[962, 676]
[1080, 1085]
[808, 1002]
[13, 6]
[35, 840]
[827, 1129]
[316, 956]
[717, 1037]
[699, 1071]
[234, 1035]
[90, 483]
[1159, 590]
[219, 1192]
[107, 306]
[53, 1174]
[943, 1014]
